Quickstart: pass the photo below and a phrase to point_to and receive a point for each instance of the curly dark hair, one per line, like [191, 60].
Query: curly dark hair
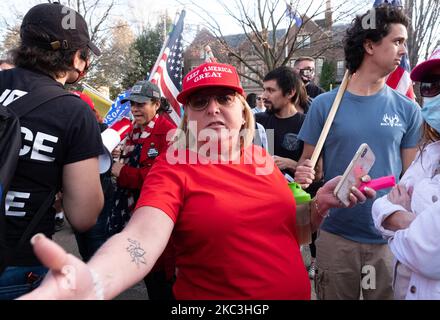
[165, 106]
[385, 16]
[52, 62]
[287, 79]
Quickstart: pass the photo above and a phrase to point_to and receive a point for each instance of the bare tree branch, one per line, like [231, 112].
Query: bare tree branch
[270, 38]
[424, 32]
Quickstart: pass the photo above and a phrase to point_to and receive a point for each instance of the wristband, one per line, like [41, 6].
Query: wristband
[325, 215]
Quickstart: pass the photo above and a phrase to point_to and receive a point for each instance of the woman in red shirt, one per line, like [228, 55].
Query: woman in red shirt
[228, 206]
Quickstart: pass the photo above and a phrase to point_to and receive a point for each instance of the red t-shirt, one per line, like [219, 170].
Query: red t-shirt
[234, 230]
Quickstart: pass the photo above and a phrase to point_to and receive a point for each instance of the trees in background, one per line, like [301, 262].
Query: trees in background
[424, 31]
[273, 32]
[327, 78]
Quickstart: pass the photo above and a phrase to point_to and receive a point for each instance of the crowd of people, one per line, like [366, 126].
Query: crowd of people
[208, 213]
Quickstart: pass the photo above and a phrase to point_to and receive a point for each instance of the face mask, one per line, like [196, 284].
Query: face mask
[81, 74]
[431, 112]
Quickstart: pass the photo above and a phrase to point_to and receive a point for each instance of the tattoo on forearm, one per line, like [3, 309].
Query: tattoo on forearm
[136, 252]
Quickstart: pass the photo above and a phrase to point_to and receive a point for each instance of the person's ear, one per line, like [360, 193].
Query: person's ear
[291, 94]
[368, 46]
[77, 61]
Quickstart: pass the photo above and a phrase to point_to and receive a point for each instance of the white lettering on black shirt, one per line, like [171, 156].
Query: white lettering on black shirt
[8, 97]
[40, 144]
[11, 203]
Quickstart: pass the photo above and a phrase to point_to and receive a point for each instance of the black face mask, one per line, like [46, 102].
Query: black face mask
[307, 75]
[81, 74]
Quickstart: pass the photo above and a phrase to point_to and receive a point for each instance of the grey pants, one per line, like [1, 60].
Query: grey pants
[346, 268]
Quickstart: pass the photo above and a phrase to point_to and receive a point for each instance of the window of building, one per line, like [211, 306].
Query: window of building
[318, 65]
[253, 75]
[340, 68]
[303, 41]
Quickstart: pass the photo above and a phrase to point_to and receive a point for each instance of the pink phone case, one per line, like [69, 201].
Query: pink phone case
[359, 166]
[379, 183]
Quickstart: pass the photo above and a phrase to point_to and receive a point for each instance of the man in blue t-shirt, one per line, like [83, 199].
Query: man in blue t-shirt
[351, 254]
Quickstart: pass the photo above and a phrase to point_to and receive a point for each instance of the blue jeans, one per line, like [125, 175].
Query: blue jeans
[90, 241]
[16, 281]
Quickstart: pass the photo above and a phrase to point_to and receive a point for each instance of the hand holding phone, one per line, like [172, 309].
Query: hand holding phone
[359, 166]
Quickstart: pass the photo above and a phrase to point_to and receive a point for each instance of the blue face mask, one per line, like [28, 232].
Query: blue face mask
[431, 112]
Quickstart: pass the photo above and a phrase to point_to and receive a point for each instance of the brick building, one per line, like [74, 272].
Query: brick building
[317, 38]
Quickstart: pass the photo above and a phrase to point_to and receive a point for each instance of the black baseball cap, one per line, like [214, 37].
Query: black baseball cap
[142, 92]
[66, 28]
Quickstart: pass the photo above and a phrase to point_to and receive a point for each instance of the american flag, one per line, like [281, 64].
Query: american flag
[399, 79]
[167, 73]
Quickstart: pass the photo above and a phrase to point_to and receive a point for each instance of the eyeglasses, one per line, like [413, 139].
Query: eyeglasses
[199, 102]
[431, 88]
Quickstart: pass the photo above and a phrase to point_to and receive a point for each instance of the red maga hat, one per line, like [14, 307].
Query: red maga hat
[426, 67]
[210, 75]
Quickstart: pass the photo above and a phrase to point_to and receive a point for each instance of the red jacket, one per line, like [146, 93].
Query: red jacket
[133, 178]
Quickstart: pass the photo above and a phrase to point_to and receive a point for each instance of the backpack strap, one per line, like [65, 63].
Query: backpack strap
[21, 107]
[34, 99]
[35, 220]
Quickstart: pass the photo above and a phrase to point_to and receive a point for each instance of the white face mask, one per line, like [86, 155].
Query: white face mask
[431, 111]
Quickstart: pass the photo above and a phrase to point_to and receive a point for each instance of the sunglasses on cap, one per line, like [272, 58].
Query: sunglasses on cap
[200, 101]
[430, 87]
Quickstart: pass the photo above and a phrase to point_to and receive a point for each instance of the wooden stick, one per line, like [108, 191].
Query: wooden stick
[330, 118]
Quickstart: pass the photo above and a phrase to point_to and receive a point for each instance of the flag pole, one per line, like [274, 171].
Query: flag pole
[159, 57]
[330, 118]
[162, 50]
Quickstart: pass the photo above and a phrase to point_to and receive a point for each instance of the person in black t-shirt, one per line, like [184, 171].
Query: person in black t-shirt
[61, 138]
[284, 95]
[284, 98]
[305, 67]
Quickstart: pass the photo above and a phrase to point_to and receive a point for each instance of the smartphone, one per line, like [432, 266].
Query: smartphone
[359, 166]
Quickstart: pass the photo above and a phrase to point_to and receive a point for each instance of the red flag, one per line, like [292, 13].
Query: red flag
[400, 79]
[168, 72]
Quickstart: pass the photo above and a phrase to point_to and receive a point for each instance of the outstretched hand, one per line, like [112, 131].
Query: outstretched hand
[68, 278]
